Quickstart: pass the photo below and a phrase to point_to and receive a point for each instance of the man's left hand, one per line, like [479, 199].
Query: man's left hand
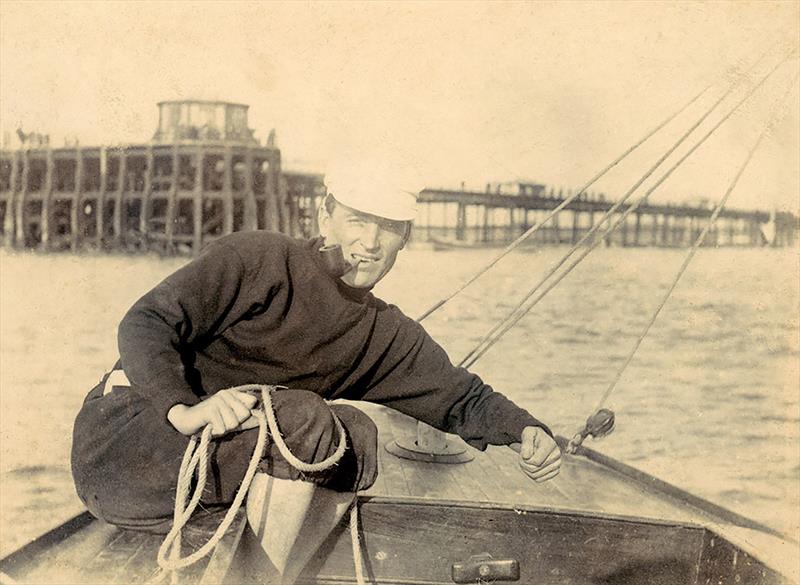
[539, 455]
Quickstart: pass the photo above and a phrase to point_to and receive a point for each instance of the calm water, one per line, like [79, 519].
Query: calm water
[710, 403]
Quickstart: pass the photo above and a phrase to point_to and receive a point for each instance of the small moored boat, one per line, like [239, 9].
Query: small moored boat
[440, 244]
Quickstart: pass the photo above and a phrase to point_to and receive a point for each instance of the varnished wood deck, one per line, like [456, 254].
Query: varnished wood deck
[589, 484]
[95, 553]
[583, 486]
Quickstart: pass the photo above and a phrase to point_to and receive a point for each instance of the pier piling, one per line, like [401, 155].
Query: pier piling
[188, 186]
[100, 211]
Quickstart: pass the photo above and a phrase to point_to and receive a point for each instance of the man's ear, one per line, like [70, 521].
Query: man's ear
[323, 217]
[407, 235]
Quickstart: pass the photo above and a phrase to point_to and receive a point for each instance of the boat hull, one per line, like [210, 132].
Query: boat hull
[417, 542]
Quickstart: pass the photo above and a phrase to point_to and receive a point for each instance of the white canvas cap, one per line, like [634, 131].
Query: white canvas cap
[383, 187]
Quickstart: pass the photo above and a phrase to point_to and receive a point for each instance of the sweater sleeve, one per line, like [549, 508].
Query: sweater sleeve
[415, 376]
[158, 335]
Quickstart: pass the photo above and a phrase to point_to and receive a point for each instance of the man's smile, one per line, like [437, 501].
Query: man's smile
[366, 258]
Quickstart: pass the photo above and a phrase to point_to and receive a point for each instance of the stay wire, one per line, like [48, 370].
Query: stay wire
[476, 351]
[734, 85]
[536, 227]
[778, 114]
[521, 309]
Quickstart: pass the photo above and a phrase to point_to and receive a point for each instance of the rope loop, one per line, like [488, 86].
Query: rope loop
[298, 464]
[195, 460]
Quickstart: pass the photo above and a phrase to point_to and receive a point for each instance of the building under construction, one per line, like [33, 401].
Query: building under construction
[203, 175]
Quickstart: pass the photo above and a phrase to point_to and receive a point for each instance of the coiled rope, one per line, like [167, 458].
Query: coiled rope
[195, 459]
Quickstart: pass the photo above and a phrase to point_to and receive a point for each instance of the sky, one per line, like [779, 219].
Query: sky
[465, 92]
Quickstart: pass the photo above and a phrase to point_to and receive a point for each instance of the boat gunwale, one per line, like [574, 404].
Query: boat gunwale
[653, 483]
[527, 509]
[15, 560]
[52, 537]
[85, 519]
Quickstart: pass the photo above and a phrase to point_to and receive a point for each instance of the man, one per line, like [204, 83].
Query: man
[258, 307]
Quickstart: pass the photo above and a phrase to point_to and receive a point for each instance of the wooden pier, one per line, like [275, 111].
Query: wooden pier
[202, 176]
[486, 218]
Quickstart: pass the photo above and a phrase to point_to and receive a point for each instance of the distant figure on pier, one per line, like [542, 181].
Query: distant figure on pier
[768, 230]
[32, 139]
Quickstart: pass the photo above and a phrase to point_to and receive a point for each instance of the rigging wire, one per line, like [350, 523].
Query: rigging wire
[536, 227]
[474, 354]
[779, 112]
[522, 309]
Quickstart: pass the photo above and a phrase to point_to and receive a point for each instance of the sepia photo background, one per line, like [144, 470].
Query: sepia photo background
[469, 93]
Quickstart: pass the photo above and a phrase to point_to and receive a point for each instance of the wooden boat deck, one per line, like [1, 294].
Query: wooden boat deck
[589, 485]
[494, 477]
[598, 522]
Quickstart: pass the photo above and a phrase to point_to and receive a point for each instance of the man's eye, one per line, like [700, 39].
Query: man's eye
[355, 220]
[397, 227]
[394, 226]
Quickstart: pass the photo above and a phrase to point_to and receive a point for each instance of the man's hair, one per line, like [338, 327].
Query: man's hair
[329, 203]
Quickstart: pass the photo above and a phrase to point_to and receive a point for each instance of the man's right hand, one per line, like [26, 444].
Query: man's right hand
[225, 411]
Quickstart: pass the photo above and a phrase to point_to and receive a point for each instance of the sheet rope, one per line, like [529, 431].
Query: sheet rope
[537, 226]
[778, 112]
[195, 461]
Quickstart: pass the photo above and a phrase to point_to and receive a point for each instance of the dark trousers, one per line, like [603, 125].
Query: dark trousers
[125, 458]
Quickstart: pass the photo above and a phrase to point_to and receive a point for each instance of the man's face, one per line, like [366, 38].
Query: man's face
[369, 243]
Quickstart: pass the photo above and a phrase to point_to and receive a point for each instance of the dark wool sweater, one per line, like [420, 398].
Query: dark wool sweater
[259, 307]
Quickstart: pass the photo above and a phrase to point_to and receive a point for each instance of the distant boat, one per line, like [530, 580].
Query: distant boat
[440, 244]
[599, 522]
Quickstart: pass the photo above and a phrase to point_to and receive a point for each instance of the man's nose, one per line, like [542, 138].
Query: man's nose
[370, 236]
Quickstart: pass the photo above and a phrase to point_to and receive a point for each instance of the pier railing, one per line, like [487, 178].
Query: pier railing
[475, 218]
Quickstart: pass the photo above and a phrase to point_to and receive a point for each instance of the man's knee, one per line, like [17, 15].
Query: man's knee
[359, 467]
[307, 424]
[361, 430]
[309, 429]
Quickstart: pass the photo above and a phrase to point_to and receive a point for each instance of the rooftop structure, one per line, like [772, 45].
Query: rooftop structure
[202, 176]
[516, 187]
[202, 120]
